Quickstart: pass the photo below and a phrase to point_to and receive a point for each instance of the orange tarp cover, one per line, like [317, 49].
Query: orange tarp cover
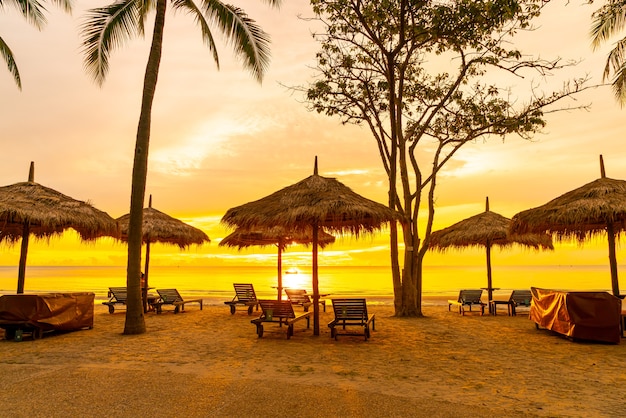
[49, 311]
[581, 315]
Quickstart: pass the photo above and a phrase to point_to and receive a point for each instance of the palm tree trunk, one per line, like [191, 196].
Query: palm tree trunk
[135, 323]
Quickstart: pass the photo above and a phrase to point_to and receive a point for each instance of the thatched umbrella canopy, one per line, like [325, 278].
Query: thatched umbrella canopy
[596, 208]
[278, 236]
[159, 227]
[315, 202]
[487, 229]
[29, 208]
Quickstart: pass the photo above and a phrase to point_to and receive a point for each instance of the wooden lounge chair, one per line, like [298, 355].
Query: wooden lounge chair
[468, 298]
[172, 297]
[117, 296]
[517, 298]
[281, 312]
[300, 297]
[244, 295]
[351, 312]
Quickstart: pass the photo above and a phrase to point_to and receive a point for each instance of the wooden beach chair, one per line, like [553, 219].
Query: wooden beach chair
[351, 312]
[244, 295]
[117, 296]
[281, 312]
[468, 298]
[516, 299]
[300, 297]
[172, 297]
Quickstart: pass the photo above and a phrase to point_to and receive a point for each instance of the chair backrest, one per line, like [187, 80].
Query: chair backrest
[350, 309]
[277, 308]
[468, 296]
[298, 296]
[170, 295]
[521, 297]
[244, 292]
[118, 294]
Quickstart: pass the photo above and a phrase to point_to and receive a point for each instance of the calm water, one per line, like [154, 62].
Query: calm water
[215, 283]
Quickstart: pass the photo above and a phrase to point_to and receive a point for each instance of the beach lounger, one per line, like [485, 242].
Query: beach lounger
[244, 295]
[468, 298]
[516, 299]
[351, 312]
[172, 297]
[300, 297]
[117, 296]
[281, 312]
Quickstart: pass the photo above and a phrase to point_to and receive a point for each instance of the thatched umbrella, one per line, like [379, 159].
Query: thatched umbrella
[29, 208]
[585, 212]
[159, 227]
[487, 229]
[315, 202]
[278, 236]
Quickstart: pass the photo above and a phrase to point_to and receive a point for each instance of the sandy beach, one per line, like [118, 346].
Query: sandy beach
[209, 363]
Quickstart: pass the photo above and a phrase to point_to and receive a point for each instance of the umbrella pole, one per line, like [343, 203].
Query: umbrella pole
[612, 259]
[21, 273]
[489, 288]
[144, 287]
[280, 271]
[316, 291]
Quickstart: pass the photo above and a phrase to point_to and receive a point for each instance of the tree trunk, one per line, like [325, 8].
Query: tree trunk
[135, 323]
[411, 276]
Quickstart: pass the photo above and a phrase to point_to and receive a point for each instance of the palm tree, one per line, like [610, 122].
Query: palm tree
[108, 27]
[607, 22]
[33, 12]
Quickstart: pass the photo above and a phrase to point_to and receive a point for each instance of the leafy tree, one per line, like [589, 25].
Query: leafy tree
[108, 27]
[428, 77]
[608, 21]
[33, 12]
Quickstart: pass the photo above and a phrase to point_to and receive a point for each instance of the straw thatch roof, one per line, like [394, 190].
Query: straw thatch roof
[314, 200]
[276, 235]
[159, 227]
[482, 229]
[318, 203]
[580, 213]
[49, 213]
[485, 230]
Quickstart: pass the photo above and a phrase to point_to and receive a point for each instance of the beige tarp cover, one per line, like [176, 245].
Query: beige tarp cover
[50, 311]
[582, 315]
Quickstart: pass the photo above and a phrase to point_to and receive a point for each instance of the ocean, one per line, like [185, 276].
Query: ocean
[374, 283]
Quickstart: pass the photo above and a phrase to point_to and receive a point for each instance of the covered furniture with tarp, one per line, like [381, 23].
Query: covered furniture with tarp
[591, 316]
[38, 313]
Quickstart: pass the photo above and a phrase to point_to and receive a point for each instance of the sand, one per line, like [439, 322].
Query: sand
[209, 363]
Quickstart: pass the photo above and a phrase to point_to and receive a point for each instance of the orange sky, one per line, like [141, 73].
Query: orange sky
[219, 139]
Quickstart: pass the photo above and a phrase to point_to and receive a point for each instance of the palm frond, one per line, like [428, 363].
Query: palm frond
[191, 8]
[105, 29]
[615, 59]
[619, 85]
[7, 55]
[146, 7]
[608, 20]
[32, 11]
[249, 41]
[65, 5]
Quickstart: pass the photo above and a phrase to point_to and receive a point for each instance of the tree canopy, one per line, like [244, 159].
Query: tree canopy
[428, 77]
